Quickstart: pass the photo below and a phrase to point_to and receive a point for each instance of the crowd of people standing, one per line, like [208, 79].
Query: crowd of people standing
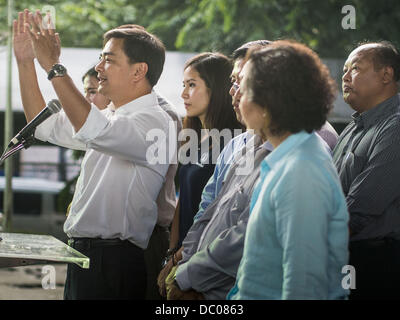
[310, 202]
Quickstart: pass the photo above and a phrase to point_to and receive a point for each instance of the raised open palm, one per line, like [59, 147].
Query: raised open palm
[46, 42]
[22, 43]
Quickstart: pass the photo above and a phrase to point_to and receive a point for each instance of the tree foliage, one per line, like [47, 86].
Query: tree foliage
[223, 25]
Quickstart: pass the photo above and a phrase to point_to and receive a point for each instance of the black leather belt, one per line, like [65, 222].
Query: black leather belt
[95, 242]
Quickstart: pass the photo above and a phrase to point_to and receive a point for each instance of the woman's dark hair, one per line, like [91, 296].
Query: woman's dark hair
[90, 73]
[289, 80]
[141, 46]
[215, 70]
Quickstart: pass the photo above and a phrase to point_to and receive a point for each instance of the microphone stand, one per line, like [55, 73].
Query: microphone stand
[24, 144]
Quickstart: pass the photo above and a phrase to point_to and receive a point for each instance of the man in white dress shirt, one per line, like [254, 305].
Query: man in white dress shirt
[114, 210]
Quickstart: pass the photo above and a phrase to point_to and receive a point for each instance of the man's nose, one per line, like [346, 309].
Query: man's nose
[232, 91]
[346, 76]
[237, 95]
[99, 66]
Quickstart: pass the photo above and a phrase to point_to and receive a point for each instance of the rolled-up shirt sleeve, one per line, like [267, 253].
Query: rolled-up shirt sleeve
[58, 130]
[126, 136]
[95, 122]
[138, 132]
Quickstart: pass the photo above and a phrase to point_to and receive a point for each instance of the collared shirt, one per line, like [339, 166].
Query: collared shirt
[329, 135]
[206, 266]
[297, 237]
[367, 158]
[166, 200]
[193, 176]
[115, 196]
[225, 159]
[214, 184]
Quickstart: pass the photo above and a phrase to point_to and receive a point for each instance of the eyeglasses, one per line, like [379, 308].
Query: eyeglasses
[235, 86]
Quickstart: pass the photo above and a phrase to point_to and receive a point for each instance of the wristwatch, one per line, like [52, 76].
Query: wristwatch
[170, 254]
[57, 70]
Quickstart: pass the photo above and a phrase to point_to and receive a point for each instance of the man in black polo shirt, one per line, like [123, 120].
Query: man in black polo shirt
[367, 157]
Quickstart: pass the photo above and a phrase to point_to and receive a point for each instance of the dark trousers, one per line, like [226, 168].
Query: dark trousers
[154, 255]
[377, 266]
[117, 271]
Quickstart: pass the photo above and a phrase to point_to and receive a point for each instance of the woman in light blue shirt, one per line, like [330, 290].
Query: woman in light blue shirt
[297, 236]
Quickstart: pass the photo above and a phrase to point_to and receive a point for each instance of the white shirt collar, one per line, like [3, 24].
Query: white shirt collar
[134, 106]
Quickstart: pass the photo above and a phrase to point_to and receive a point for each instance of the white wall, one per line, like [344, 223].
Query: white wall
[79, 60]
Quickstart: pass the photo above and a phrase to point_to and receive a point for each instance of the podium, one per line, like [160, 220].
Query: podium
[17, 249]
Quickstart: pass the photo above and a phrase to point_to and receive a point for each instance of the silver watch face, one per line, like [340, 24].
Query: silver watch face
[59, 70]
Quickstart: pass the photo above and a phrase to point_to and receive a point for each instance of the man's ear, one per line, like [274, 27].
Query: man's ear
[388, 74]
[139, 71]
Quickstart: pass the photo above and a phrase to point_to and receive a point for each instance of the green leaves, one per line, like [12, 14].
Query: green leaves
[205, 25]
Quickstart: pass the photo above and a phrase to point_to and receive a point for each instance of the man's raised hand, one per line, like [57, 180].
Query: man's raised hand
[22, 44]
[46, 43]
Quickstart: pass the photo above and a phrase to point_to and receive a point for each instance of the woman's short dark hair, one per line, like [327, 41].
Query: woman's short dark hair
[141, 46]
[215, 70]
[90, 73]
[290, 81]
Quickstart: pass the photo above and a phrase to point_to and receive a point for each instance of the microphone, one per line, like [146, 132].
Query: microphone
[53, 106]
